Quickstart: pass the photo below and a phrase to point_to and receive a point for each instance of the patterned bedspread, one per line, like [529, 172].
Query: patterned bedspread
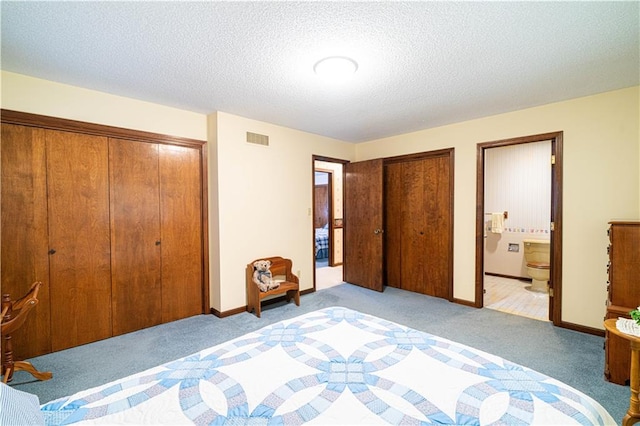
[322, 243]
[333, 366]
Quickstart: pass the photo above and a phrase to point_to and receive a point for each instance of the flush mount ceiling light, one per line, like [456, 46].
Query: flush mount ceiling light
[335, 68]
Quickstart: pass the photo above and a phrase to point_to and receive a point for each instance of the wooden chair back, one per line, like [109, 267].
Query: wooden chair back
[12, 321]
[14, 314]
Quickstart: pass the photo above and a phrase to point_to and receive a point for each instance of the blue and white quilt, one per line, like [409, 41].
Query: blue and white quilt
[322, 243]
[333, 366]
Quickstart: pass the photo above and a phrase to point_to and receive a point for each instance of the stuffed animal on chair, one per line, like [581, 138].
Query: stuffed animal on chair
[262, 276]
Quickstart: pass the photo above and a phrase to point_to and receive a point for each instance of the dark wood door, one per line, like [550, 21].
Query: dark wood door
[393, 205]
[413, 226]
[181, 232]
[79, 247]
[363, 231]
[437, 227]
[135, 235]
[24, 232]
[321, 206]
[418, 233]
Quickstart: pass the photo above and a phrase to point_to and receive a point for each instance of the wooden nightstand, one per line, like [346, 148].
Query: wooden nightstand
[633, 413]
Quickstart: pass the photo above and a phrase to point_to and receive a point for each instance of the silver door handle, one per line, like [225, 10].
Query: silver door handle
[378, 231]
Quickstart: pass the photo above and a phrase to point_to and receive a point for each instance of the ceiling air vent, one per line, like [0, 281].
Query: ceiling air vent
[257, 139]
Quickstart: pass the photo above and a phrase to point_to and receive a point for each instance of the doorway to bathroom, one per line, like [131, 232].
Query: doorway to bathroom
[519, 226]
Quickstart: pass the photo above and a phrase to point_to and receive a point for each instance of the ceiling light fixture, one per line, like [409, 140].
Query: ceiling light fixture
[335, 68]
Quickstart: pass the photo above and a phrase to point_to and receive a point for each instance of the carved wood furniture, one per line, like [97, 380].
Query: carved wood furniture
[290, 287]
[14, 313]
[633, 413]
[624, 294]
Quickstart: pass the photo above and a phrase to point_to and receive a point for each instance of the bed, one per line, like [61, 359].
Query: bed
[333, 366]
[322, 242]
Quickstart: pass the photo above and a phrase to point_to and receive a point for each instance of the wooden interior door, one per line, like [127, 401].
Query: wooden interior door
[321, 206]
[79, 246]
[393, 224]
[363, 224]
[181, 232]
[24, 237]
[414, 247]
[418, 224]
[135, 235]
[437, 227]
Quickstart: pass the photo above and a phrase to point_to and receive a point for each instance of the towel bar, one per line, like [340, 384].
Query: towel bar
[506, 214]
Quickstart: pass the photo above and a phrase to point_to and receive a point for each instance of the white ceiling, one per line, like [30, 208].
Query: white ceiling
[421, 64]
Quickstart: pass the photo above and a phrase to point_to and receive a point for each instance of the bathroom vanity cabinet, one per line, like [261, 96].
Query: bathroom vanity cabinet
[623, 289]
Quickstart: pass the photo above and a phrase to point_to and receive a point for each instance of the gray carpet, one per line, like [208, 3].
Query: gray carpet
[574, 358]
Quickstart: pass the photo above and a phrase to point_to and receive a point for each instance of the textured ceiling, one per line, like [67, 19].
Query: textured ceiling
[421, 64]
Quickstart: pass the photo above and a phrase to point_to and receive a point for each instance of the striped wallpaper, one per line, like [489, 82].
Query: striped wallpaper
[518, 180]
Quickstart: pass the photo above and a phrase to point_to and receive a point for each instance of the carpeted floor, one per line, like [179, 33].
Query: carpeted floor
[574, 358]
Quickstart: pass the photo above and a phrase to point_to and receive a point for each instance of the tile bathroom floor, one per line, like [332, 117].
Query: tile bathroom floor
[511, 296]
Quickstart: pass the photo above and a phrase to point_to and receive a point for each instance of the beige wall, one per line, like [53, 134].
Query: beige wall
[214, 216]
[260, 197]
[37, 96]
[601, 182]
[265, 201]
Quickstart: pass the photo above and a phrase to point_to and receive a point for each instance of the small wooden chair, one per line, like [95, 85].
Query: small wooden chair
[14, 314]
[290, 287]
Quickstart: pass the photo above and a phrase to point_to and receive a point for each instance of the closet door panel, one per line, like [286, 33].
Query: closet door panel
[418, 209]
[181, 231]
[437, 241]
[78, 186]
[24, 232]
[135, 235]
[414, 251]
[393, 225]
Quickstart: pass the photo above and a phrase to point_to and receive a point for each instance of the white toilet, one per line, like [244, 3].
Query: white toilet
[537, 257]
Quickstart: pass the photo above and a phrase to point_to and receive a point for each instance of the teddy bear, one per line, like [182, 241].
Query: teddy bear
[262, 275]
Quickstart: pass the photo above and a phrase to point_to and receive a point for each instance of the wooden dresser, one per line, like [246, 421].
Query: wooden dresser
[624, 293]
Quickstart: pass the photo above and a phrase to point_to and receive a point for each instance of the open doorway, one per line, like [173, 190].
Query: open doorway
[327, 221]
[519, 225]
[517, 202]
[322, 205]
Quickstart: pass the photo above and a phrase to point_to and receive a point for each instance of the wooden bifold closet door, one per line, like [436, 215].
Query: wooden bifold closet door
[112, 226]
[135, 235]
[412, 195]
[79, 252]
[156, 235]
[418, 237]
[181, 232]
[55, 229]
[24, 231]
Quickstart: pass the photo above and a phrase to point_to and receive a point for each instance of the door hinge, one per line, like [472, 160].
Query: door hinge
[552, 226]
[553, 159]
[550, 291]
